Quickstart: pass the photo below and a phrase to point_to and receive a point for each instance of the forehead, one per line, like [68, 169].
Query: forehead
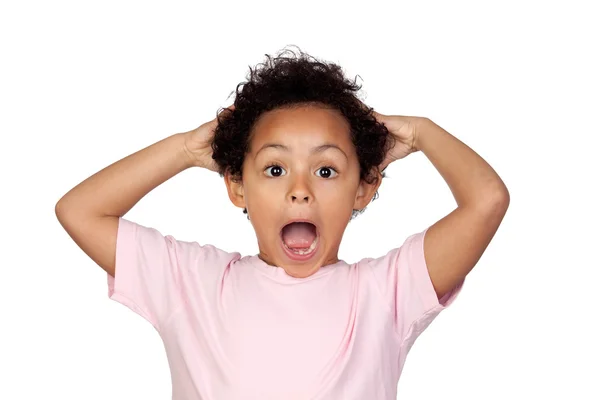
[301, 127]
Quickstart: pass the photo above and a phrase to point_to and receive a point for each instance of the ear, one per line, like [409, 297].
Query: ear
[235, 190]
[366, 191]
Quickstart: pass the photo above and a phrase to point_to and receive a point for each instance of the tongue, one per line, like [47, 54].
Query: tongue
[299, 235]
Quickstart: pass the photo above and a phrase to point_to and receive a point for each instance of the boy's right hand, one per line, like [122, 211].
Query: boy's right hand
[197, 144]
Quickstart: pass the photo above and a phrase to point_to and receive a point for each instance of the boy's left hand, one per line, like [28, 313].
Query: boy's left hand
[405, 132]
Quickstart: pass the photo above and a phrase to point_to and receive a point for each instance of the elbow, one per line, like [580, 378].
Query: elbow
[498, 202]
[502, 198]
[494, 201]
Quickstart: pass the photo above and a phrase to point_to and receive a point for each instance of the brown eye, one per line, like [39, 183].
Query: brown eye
[326, 172]
[276, 171]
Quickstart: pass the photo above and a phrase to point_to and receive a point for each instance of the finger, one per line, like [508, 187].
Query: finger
[230, 108]
[378, 115]
[384, 164]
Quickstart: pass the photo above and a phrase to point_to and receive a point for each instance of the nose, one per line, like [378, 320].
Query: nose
[295, 198]
[300, 192]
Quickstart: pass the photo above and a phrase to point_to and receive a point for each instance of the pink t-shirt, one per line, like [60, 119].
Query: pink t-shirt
[237, 328]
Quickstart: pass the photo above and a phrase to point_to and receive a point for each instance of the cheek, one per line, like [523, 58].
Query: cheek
[337, 204]
[263, 203]
[341, 192]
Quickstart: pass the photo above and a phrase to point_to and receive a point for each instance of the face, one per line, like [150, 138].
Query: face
[301, 165]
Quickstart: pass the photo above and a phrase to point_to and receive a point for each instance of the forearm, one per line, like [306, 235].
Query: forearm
[472, 181]
[117, 188]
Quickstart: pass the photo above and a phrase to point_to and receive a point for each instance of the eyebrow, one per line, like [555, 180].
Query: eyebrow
[317, 149]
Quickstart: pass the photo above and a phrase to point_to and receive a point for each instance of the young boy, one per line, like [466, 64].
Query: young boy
[302, 156]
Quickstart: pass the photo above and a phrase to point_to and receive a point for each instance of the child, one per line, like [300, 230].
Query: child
[302, 156]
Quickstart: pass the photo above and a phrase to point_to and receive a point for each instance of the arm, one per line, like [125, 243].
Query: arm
[114, 190]
[90, 211]
[455, 243]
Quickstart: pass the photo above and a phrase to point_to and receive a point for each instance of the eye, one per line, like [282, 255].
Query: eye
[276, 171]
[326, 172]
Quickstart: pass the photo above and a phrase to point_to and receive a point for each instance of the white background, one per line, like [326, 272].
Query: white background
[84, 84]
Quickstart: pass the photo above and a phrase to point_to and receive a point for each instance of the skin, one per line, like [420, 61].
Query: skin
[302, 187]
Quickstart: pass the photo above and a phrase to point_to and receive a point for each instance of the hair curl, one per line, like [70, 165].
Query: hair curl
[287, 82]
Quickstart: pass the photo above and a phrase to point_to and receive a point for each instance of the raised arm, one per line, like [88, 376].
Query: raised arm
[455, 243]
[90, 211]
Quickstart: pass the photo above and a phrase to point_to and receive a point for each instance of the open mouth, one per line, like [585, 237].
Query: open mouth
[300, 239]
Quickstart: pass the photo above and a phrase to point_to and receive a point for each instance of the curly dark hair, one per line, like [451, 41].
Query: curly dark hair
[287, 82]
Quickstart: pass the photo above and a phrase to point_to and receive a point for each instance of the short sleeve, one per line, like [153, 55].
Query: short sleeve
[148, 271]
[403, 279]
